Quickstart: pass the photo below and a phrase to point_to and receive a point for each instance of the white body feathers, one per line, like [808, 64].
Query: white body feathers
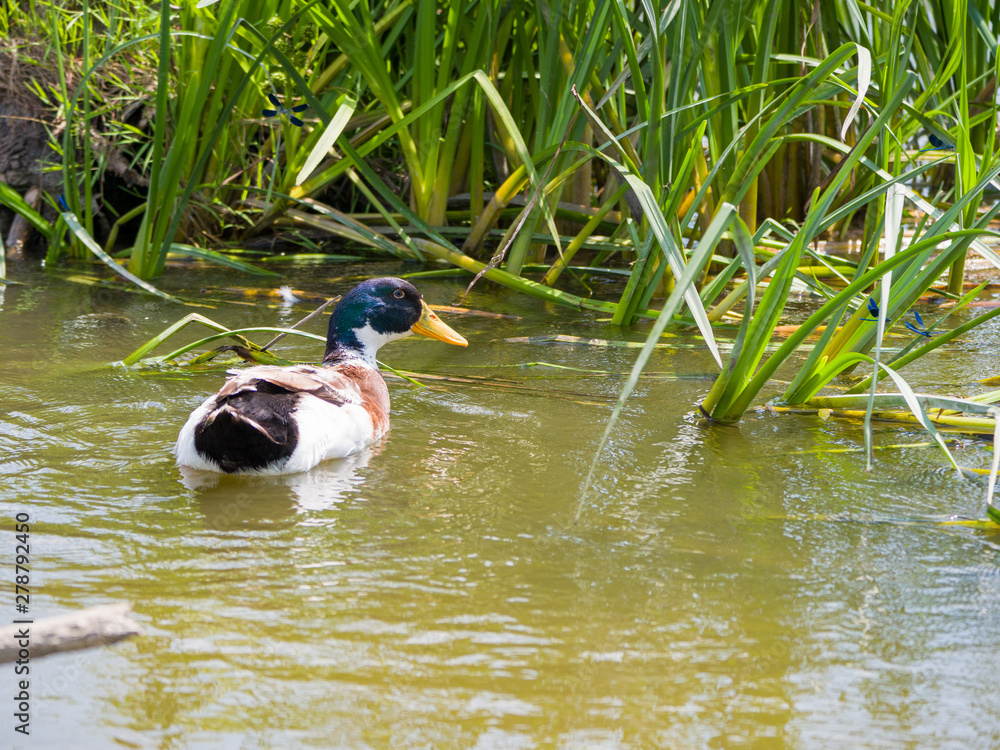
[337, 411]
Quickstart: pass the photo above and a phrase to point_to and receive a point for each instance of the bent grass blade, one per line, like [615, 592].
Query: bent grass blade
[13, 200]
[84, 236]
[143, 351]
[154, 342]
[698, 258]
[919, 404]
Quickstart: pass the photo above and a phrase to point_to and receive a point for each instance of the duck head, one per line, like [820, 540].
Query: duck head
[376, 312]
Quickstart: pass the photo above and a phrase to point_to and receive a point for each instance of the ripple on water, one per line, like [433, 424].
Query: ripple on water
[724, 586]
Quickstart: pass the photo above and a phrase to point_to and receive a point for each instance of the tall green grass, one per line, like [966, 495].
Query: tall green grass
[665, 78]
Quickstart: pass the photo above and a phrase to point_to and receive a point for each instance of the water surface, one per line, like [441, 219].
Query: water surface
[725, 587]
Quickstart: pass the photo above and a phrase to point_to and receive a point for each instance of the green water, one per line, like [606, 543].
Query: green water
[725, 587]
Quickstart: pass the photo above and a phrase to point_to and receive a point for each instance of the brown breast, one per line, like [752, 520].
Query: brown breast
[374, 394]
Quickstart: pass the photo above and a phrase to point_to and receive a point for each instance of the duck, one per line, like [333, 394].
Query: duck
[268, 419]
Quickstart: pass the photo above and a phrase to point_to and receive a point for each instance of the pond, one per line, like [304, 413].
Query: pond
[748, 586]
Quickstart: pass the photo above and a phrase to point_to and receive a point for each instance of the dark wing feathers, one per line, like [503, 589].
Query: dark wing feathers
[248, 429]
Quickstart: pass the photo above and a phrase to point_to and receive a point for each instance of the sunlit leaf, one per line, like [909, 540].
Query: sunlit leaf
[330, 134]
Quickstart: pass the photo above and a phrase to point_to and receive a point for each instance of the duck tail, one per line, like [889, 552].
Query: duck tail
[238, 442]
[228, 414]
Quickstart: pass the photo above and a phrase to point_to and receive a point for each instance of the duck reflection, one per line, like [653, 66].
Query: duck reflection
[229, 501]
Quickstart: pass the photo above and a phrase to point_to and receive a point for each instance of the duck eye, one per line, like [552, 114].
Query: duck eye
[398, 294]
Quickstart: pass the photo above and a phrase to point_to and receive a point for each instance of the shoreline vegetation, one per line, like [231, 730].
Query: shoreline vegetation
[697, 151]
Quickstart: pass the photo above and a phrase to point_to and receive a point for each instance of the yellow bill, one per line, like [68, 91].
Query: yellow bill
[431, 326]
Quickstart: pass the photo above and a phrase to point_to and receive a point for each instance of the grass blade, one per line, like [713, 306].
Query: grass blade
[12, 199]
[699, 257]
[914, 405]
[81, 234]
[331, 133]
[219, 259]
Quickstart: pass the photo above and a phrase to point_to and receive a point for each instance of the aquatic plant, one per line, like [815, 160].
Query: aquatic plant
[664, 79]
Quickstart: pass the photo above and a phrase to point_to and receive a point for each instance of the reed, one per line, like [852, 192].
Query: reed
[663, 78]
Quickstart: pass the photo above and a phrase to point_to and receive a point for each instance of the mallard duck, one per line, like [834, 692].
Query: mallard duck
[282, 420]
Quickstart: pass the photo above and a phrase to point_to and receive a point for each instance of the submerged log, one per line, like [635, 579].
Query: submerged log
[96, 626]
